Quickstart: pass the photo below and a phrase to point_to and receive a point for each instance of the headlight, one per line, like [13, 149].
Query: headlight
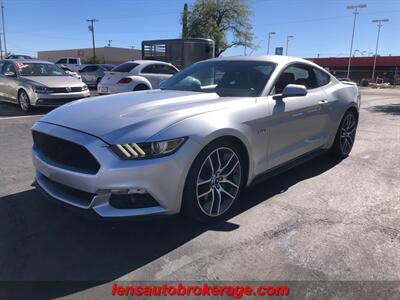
[147, 150]
[84, 87]
[41, 89]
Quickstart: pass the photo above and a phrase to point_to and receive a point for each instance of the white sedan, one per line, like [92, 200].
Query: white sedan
[135, 75]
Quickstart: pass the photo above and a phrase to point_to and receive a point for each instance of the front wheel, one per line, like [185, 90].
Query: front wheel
[214, 182]
[23, 101]
[345, 135]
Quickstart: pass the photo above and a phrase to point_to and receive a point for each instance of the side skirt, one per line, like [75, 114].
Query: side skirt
[287, 166]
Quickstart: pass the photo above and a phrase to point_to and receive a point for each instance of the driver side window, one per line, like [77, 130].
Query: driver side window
[297, 74]
[9, 68]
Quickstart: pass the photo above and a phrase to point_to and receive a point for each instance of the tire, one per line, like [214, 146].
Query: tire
[214, 182]
[23, 101]
[346, 133]
[141, 87]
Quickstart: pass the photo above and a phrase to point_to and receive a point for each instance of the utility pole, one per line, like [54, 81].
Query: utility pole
[287, 43]
[355, 7]
[269, 39]
[91, 28]
[377, 41]
[109, 43]
[4, 29]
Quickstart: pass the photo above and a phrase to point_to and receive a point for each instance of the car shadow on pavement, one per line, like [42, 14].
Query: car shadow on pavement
[42, 241]
[13, 110]
[391, 109]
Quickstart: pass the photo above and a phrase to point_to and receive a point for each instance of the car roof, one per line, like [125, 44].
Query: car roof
[279, 59]
[29, 61]
[147, 62]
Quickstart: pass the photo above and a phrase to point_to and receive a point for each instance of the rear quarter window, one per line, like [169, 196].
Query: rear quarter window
[125, 67]
[321, 77]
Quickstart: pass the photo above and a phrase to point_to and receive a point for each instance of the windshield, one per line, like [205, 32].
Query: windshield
[226, 78]
[39, 69]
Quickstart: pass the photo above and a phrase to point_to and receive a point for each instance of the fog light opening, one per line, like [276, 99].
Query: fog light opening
[132, 200]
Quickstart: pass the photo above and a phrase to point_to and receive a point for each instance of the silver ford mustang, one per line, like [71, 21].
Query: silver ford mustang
[193, 145]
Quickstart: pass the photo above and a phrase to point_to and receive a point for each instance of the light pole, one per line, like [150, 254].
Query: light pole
[287, 43]
[269, 39]
[91, 28]
[4, 29]
[355, 12]
[377, 41]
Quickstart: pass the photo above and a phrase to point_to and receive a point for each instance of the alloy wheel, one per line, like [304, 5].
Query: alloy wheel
[347, 133]
[218, 181]
[24, 101]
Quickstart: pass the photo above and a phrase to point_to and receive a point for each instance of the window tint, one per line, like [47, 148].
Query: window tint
[62, 61]
[8, 67]
[1, 66]
[159, 69]
[226, 78]
[73, 61]
[89, 69]
[164, 69]
[152, 69]
[108, 67]
[298, 74]
[125, 67]
[321, 77]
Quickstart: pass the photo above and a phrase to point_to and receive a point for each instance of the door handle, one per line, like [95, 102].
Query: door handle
[323, 101]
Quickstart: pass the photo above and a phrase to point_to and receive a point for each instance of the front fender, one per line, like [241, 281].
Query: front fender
[203, 131]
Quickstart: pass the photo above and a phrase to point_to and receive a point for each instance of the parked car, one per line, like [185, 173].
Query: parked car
[18, 56]
[135, 76]
[71, 73]
[213, 129]
[38, 83]
[92, 74]
[72, 63]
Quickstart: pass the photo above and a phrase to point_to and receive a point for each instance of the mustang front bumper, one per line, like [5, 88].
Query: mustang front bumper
[162, 178]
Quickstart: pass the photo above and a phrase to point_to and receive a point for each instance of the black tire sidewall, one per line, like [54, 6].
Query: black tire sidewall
[336, 149]
[140, 87]
[190, 206]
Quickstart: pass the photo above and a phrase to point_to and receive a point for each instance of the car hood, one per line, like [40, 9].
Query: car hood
[135, 115]
[54, 81]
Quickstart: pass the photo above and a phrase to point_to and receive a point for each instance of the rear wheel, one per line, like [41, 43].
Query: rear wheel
[345, 135]
[23, 101]
[214, 182]
[140, 87]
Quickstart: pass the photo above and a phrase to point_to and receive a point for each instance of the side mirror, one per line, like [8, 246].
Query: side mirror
[10, 74]
[292, 90]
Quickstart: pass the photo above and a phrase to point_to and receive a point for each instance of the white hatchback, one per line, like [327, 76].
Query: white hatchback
[135, 76]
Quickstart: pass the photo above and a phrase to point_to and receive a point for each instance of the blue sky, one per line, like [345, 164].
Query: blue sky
[318, 26]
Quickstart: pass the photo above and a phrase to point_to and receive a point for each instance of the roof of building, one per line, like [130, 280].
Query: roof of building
[381, 61]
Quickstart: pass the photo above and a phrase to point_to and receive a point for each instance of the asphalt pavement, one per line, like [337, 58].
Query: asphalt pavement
[323, 220]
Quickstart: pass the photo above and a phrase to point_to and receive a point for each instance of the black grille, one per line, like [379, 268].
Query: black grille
[56, 101]
[66, 90]
[69, 154]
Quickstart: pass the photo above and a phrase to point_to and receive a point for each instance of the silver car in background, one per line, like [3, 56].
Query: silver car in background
[191, 147]
[38, 83]
[136, 75]
[92, 74]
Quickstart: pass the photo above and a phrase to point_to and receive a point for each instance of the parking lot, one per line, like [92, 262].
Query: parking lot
[323, 220]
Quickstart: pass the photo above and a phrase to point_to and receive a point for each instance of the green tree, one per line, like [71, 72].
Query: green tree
[224, 21]
[185, 15]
